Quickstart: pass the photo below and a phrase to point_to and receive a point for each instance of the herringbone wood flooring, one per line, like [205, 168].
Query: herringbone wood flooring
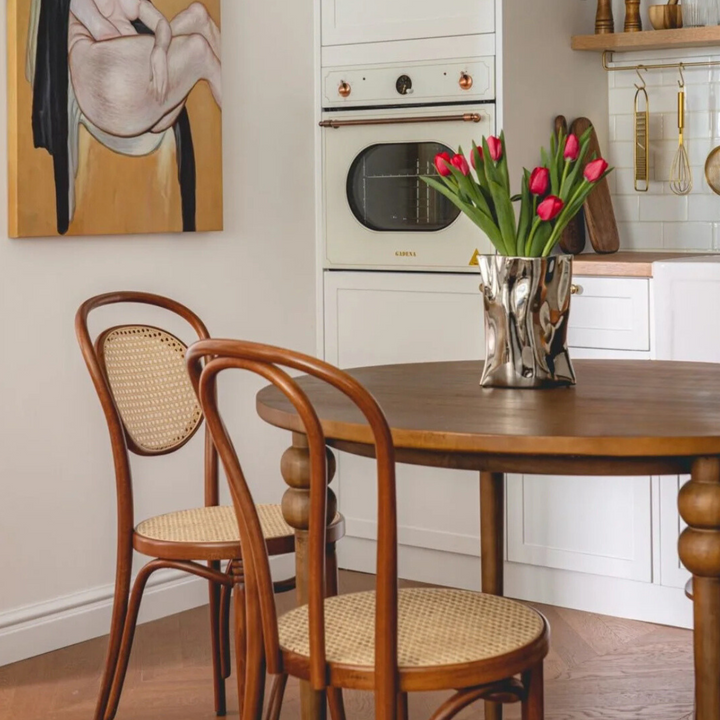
[600, 668]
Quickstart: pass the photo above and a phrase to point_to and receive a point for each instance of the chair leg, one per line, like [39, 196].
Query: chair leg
[250, 670]
[336, 703]
[216, 641]
[403, 713]
[225, 660]
[534, 702]
[128, 636]
[241, 649]
[276, 697]
[119, 613]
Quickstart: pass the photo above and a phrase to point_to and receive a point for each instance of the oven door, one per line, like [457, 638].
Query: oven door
[378, 212]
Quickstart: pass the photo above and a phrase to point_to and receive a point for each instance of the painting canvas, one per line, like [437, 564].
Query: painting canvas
[115, 115]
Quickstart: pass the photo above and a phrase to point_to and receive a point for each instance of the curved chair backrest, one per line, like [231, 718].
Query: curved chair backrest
[149, 403]
[268, 362]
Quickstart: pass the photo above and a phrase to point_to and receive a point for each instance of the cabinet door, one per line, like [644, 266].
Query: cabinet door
[378, 318]
[672, 571]
[353, 21]
[583, 524]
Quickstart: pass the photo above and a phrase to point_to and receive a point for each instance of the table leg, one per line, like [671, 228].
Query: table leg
[295, 469]
[699, 504]
[492, 532]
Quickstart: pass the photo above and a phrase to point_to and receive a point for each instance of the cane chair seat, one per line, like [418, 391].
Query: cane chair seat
[438, 628]
[211, 533]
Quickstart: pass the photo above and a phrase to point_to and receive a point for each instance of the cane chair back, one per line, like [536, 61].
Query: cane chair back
[145, 368]
[148, 401]
[268, 362]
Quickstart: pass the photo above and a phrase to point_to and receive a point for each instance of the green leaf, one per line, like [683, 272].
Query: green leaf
[480, 219]
[479, 167]
[505, 214]
[526, 213]
[503, 164]
[540, 240]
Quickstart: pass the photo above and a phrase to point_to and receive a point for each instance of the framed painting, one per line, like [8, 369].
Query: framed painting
[115, 120]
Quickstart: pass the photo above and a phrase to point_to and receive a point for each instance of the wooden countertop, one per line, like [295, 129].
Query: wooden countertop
[624, 264]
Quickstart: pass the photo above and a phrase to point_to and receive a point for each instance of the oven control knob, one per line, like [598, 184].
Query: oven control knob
[404, 85]
[344, 89]
[466, 81]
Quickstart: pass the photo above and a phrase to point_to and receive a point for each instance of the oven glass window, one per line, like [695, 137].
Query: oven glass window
[386, 193]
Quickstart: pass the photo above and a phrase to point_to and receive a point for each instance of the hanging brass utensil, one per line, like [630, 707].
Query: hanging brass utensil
[712, 170]
[642, 138]
[681, 181]
[712, 164]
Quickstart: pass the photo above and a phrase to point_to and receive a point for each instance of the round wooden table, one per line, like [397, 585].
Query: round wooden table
[622, 418]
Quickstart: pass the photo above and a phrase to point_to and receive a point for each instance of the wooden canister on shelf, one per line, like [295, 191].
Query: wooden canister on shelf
[633, 22]
[604, 22]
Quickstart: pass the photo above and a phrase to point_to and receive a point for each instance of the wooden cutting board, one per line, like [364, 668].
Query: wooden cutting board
[573, 237]
[599, 213]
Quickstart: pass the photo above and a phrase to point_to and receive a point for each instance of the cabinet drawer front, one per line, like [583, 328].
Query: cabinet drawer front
[353, 21]
[612, 314]
[592, 525]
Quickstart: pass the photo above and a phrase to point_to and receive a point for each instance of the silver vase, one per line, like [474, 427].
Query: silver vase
[527, 308]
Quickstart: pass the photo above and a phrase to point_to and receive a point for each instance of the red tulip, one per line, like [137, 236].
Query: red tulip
[472, 156]
[595, 170]
[461, 164]
[539, 181]
[550, 208]
[572, 148]
[495, 146]
[441, 163]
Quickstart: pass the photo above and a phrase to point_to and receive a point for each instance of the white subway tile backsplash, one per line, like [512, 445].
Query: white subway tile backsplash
[627, 208]
[621, 154]
[659, 219]
[664, 208]
[641, 236]
[624, 179]
[688, 236]
[704, 208]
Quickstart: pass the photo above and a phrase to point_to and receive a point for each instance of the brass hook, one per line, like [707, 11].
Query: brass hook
[642, 79]
[681, 82]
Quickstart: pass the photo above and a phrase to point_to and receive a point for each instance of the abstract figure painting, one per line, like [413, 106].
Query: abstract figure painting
[115, 116]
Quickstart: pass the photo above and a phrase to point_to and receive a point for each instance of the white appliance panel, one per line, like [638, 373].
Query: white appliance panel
[352, 21]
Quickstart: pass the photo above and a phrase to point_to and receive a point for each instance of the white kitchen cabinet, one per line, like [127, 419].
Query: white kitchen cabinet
[582, 524]
[349, 21]
[383, 318]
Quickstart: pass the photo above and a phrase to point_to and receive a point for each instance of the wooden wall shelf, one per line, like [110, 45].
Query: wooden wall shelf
[649, 40]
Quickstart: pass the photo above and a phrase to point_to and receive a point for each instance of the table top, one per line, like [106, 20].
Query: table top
[619, 408]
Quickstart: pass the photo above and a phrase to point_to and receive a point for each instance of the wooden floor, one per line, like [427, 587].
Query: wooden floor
[599, 668]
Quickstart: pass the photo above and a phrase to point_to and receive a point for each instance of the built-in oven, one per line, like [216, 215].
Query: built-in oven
[383, 127]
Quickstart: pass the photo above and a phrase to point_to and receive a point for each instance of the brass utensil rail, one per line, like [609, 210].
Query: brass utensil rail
[607, 58]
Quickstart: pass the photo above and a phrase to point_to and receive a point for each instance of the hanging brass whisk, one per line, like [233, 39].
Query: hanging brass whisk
[681, 181]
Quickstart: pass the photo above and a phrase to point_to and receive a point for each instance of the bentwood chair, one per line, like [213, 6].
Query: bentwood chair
[151, 409]
[389, 641]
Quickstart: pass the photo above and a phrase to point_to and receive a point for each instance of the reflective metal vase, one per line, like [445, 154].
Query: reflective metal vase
[527, 309]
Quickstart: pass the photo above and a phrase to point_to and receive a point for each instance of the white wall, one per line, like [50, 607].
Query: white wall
[255, 280]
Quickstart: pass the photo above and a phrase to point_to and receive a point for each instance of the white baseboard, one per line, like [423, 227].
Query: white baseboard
[617, 597]
[37, 629]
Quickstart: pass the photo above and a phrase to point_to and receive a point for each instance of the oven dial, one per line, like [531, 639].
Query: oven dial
[404, 85]
[344, 89]
[466, 81]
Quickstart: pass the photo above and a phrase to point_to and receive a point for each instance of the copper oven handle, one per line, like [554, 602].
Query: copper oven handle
[465, 117]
